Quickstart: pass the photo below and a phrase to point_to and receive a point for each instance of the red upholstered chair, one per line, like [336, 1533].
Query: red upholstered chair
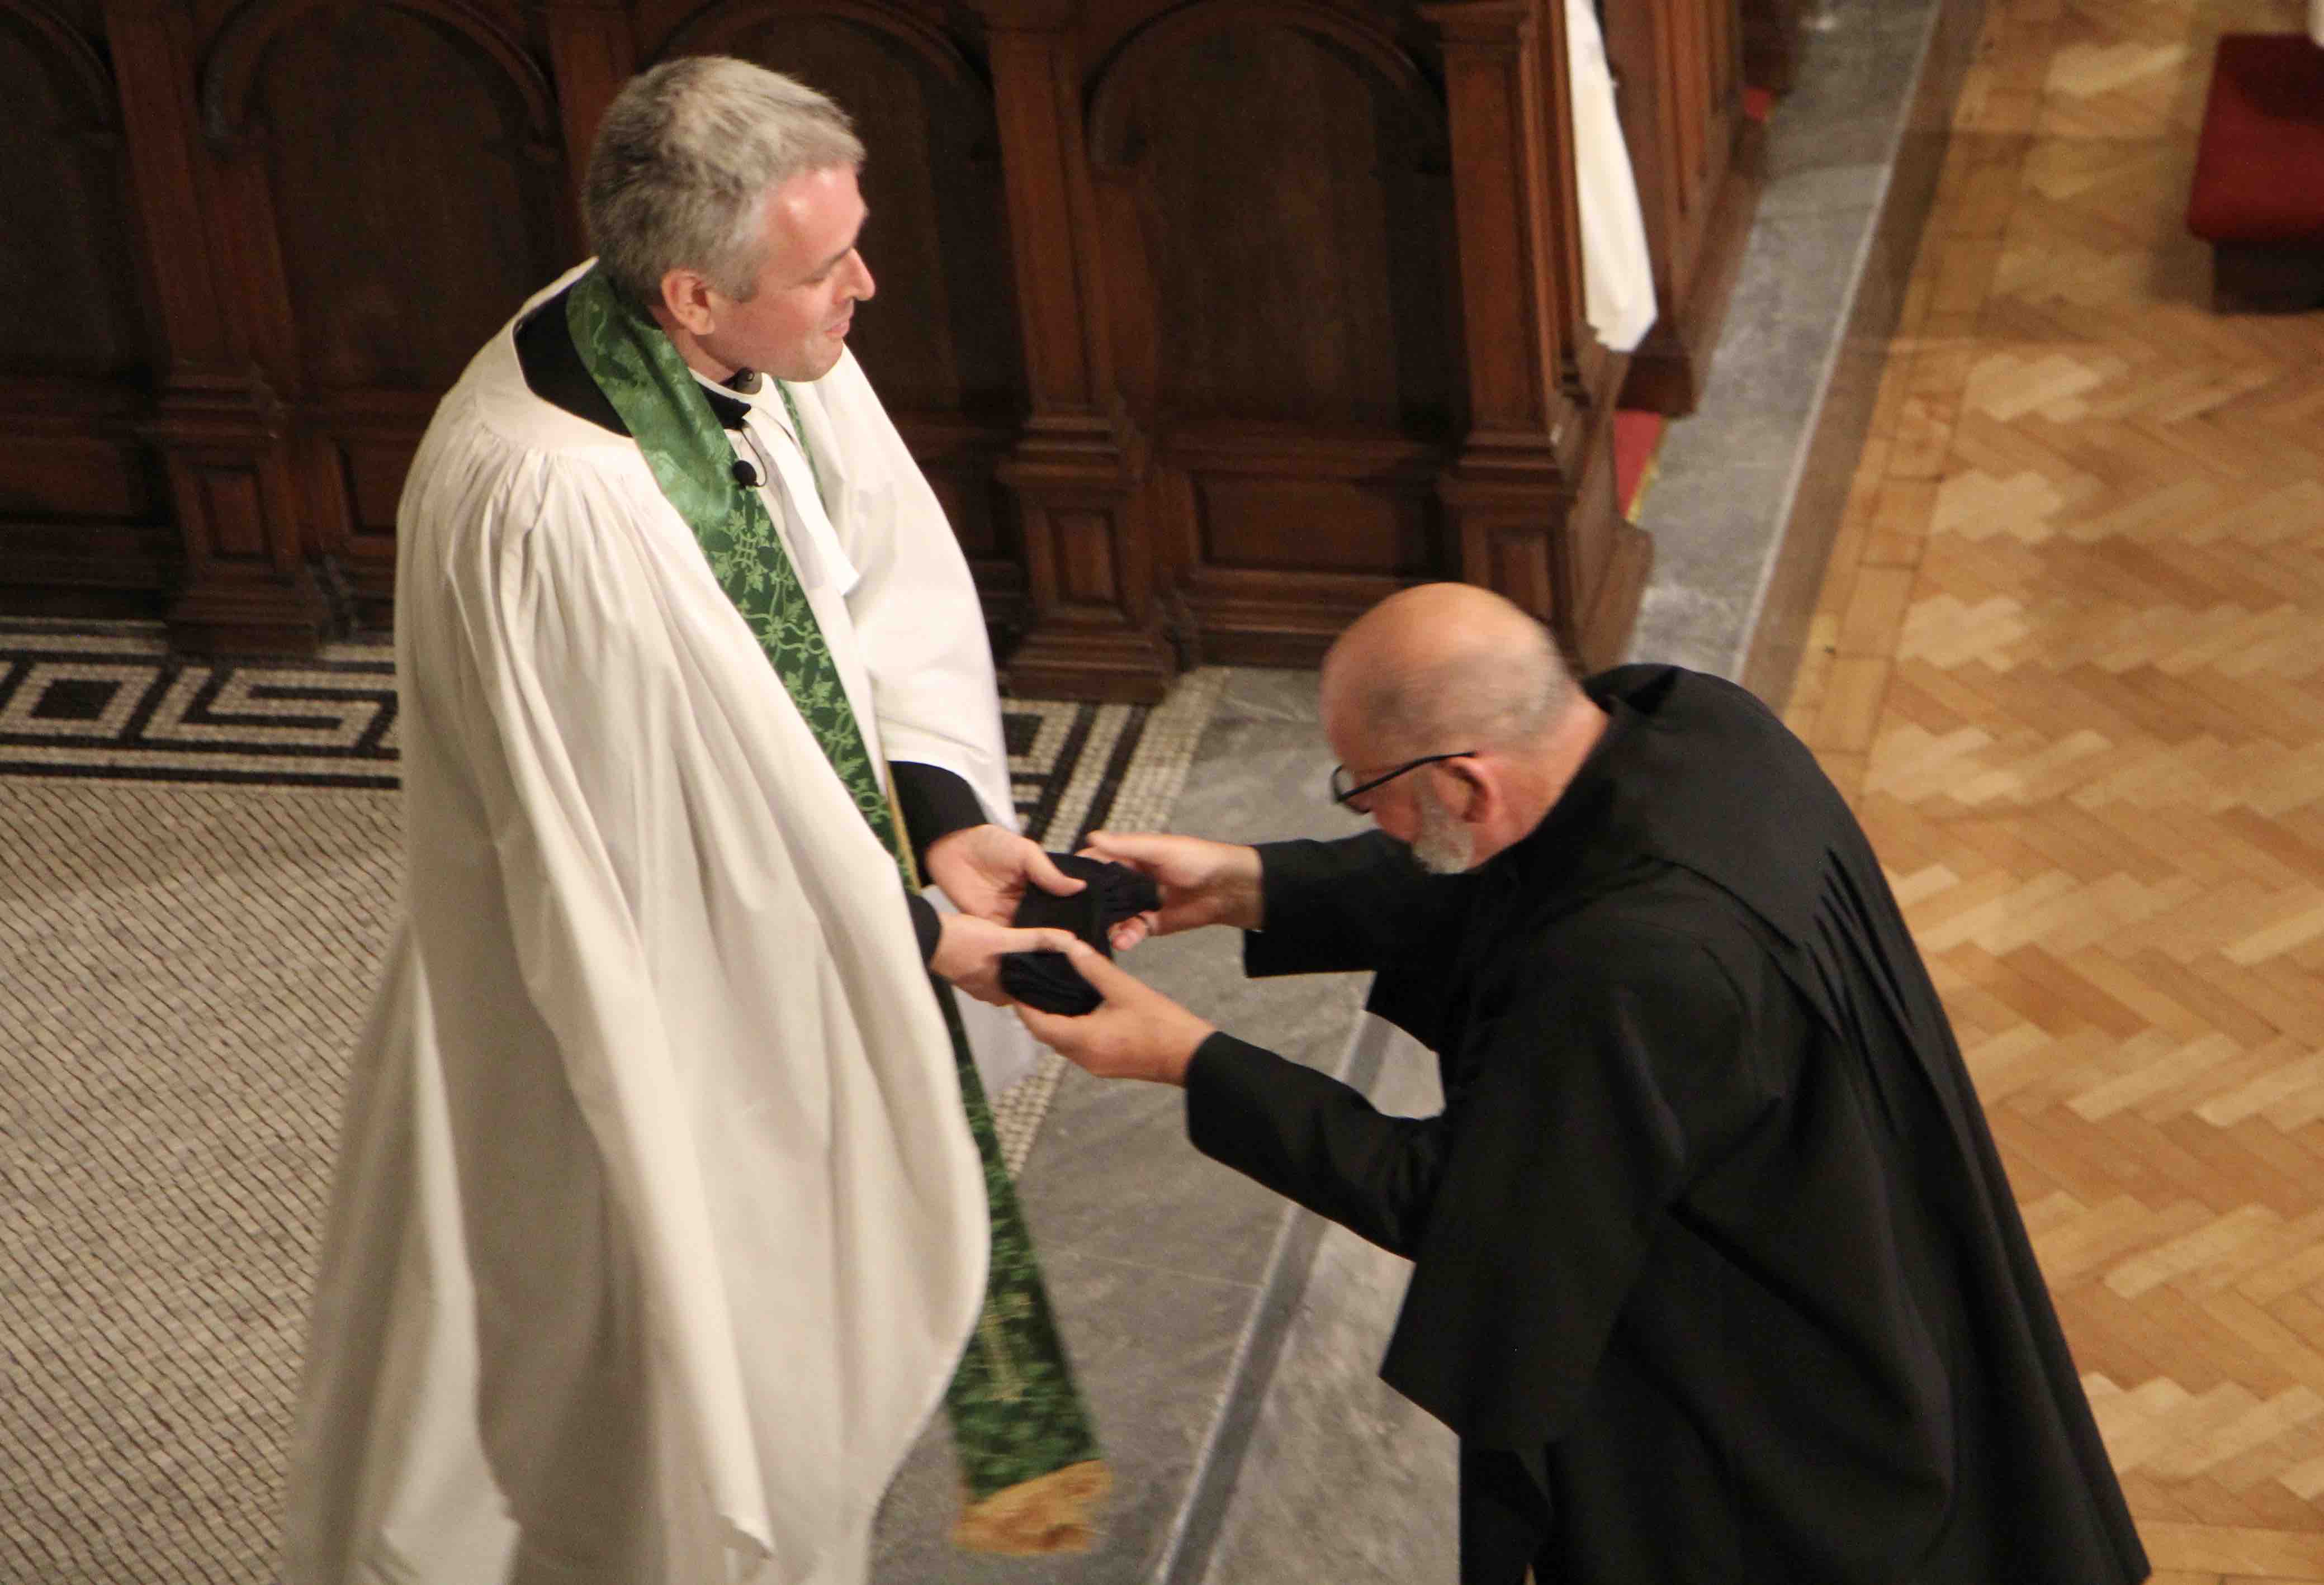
[2259, 197]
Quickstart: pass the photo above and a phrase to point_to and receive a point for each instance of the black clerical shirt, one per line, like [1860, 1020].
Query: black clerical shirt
[1716, 1273]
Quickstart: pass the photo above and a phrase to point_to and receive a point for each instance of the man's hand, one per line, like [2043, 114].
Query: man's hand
[985, 869]
[969, 952]
[1201, 882]
[1137, 1033]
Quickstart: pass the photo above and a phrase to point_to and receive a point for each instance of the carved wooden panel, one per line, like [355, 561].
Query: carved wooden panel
[64, 243]
[414, 184]
[1292, 213]
[1276, 213]
[83, 522]
[411, 196]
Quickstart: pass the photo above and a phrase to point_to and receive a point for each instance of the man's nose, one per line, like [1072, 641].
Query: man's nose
[865, 287]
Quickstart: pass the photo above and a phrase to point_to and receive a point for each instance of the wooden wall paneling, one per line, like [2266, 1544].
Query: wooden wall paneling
[84, 512]
[217, 425]
[397, 174]
[1529, 489]
[1298, 531]
[1277, 220]
[84, 526]
[1698, 160]
[1078, 474]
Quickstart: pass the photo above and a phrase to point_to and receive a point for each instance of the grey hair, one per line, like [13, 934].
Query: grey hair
[1486, 694]
[682, 164]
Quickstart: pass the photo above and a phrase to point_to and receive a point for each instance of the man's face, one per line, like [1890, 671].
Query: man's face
[795, 326]
[1409, 807]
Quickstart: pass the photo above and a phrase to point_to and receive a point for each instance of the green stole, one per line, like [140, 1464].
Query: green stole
[1026, 1451]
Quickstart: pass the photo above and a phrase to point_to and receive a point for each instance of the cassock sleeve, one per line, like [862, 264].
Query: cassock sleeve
[1313, 1140]
[935, 803]
[1356, 903]
[1590, 1067]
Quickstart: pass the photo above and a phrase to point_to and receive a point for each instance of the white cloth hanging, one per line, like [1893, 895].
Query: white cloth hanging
[1618, 272]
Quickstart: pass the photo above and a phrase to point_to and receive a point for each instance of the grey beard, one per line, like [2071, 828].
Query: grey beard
[1442, 847]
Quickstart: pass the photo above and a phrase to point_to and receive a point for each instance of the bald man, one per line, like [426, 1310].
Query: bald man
[1715, 1271]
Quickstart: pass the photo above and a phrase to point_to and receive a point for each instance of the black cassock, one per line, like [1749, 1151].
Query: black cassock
[1716, 1272]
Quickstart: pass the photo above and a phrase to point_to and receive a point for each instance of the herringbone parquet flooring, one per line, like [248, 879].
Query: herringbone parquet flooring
[2069, 661]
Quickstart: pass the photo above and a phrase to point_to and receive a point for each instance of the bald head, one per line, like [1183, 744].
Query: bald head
[1443, 667]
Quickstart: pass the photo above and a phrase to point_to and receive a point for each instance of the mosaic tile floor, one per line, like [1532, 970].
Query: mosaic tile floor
[198, 871]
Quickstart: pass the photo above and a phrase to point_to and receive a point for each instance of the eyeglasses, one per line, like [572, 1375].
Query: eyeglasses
[1343, 794]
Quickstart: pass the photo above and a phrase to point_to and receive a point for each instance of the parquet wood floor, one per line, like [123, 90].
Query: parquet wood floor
[2069, 663]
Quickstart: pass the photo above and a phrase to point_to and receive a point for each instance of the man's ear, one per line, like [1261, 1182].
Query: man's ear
[1479, 788]
[686, 298]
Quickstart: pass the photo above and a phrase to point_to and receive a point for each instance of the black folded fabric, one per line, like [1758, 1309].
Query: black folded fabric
[1048, 980]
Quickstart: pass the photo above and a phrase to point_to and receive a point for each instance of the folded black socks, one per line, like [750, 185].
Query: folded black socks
[1048, 980]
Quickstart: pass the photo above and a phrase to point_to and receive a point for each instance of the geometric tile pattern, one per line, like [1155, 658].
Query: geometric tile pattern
[2069, 664]
[106, 701]
[200, 873]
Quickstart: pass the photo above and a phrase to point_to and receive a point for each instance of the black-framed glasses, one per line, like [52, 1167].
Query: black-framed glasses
[1342, 793]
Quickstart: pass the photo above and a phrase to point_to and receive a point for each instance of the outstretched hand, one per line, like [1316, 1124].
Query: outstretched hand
[985, 869]
[1201, 882]
[1136, 1032]
[968, 953]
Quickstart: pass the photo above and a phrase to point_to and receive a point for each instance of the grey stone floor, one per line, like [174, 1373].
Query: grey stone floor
[1229, 1343]
[1728, 476]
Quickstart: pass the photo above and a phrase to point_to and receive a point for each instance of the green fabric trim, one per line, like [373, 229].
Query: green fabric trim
[1016, 1413]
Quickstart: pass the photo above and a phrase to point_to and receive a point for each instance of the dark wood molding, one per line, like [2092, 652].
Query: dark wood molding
[216, 424]
[78, 56]
[717, 28]
[1700, 165]
[1091, 628]
[591, 54]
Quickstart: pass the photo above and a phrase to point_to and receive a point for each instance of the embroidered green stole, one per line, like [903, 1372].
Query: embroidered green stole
[1027, 1450]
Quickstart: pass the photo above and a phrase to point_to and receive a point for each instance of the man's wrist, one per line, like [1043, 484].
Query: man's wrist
[1172, 1068]
[1247, 907]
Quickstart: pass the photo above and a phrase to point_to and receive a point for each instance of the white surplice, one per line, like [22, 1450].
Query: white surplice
[657, 1229]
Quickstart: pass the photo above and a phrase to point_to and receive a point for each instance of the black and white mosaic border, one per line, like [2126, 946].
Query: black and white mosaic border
[108, 701]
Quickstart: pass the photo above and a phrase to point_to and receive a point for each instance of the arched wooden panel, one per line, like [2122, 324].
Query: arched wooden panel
[414, 186]
[1294, 223]
[66, 264]
[940, 337]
